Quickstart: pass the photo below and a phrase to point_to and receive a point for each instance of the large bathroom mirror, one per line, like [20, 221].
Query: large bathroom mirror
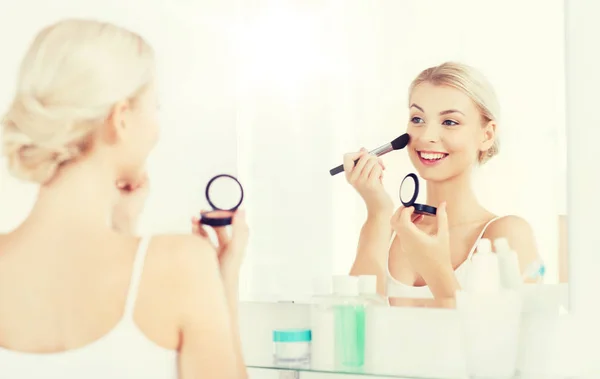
[275, 92]
[323, 78]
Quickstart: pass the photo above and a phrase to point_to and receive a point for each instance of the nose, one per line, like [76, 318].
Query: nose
[431, 133]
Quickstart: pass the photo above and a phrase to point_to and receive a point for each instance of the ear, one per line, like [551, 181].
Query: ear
[489, 136]
[117, 123]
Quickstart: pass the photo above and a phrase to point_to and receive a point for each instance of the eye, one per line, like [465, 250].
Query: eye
[416, 120]
[449, 123]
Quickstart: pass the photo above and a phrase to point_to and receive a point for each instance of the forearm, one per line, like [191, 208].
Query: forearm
[373, 247]
[230, 279]
[441, 280]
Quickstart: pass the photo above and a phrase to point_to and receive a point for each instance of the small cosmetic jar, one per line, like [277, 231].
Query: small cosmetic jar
[291, 348]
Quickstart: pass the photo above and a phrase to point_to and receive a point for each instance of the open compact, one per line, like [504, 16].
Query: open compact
[409, 192]
[224, 194]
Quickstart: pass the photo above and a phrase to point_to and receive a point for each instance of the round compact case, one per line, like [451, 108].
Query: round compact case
[225, 194]
[409, 192]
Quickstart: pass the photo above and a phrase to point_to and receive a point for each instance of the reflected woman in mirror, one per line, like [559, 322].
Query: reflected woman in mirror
[79, 299]
[453, 119]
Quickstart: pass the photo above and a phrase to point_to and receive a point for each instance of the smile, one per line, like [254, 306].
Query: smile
[430, 158]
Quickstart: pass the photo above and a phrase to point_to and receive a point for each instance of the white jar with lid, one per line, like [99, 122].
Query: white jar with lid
[291, 348]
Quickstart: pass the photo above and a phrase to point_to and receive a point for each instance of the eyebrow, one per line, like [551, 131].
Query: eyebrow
[442, 113]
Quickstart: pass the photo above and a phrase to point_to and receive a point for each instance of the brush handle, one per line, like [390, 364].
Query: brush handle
[381, 150]
[336, 170]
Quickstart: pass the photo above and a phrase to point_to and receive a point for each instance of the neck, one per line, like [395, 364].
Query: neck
[80, 196]
[457, 192]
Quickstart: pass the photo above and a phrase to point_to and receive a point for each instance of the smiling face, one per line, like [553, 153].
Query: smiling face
[448, 132]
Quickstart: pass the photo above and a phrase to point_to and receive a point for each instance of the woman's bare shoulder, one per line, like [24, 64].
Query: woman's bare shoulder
[183, 254]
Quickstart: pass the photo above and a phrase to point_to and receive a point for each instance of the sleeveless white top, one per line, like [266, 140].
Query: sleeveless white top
[395, 288]
[124, 352]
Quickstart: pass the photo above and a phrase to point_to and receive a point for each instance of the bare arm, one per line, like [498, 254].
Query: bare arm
[209, 343]
[230, 277]
[373, 244]
[520, 238]
[373, 249]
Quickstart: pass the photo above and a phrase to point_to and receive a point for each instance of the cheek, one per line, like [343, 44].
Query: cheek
[150, 130]
[459, 143]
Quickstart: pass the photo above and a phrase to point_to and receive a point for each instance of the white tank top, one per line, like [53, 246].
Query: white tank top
[124, 352]
[395, 288]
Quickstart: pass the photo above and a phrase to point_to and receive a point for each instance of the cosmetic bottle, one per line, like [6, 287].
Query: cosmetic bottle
[349, 320]
[484, 274]
[367, 290]
[322, 324]
[508, 264]
[490, 317]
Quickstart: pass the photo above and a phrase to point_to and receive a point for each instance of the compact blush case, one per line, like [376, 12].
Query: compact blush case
[225, 194]
[409, 192]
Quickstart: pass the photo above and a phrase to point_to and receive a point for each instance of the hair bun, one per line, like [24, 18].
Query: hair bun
[36, 163]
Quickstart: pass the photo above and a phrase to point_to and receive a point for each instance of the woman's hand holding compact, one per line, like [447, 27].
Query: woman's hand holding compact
[230, 249]
[428, 254]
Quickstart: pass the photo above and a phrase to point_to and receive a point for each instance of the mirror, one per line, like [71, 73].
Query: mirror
[335, 77]
[224, 192]
[409, 190]
[293, 85]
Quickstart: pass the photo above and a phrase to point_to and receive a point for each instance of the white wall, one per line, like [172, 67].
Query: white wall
[277, 91]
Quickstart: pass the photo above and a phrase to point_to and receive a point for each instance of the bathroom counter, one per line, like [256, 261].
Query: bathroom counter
[331, 374]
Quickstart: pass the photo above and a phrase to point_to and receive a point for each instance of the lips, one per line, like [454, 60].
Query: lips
[430, 158]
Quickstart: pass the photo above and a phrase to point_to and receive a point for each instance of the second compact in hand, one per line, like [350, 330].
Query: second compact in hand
[225, 194]
[409, 192]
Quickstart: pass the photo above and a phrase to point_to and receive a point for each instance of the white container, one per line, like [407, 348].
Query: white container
[291, 348]
[483, 275]
[490, 328]
[508, 264]
[367, 290]
[322, 325]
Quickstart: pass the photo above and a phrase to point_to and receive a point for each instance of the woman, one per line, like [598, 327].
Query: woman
[452, 124]
[79, 299]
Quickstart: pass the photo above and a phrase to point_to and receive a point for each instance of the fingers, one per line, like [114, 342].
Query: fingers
[376, 174]
[403, 219]
[396, 216]
[442, 221]
[370, 164]
[240, 228]
[363, 169]
[197, 227]
[368, 168]
[349, 161]
[406, 215]
[222, 235]
[416, 218]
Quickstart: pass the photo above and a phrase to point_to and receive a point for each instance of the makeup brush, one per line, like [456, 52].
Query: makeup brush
[397, 144]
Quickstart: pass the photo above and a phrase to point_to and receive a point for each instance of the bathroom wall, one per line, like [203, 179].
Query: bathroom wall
[277, 91]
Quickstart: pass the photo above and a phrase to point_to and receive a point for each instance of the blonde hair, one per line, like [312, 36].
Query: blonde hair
[72, 76]
[473, 84]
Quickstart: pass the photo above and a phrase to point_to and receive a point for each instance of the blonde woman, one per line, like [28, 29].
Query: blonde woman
[453, 117]
[77, 298]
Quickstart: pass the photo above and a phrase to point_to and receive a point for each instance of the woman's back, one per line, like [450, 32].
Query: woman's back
[77, 299]
[97, 305]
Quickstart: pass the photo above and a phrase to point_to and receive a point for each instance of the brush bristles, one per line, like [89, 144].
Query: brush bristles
[401, 142]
